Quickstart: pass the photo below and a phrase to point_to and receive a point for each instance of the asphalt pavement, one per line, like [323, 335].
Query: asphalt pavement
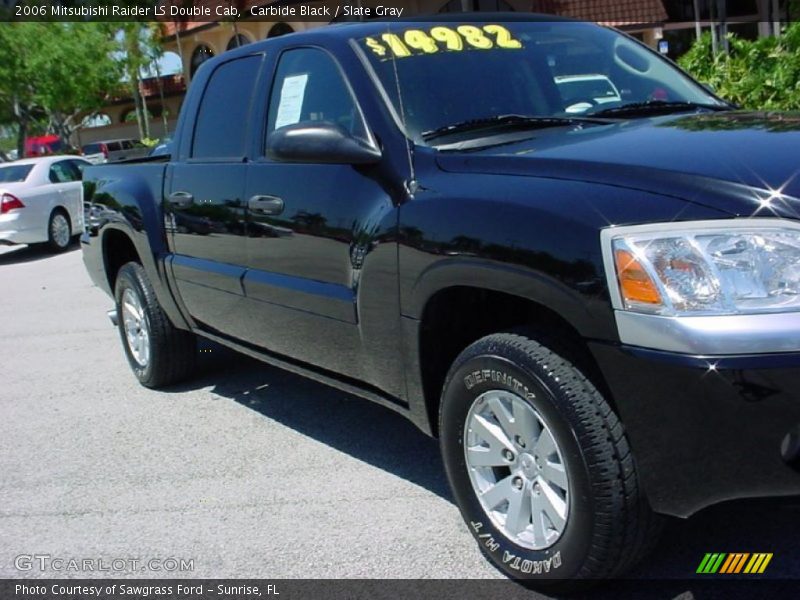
[246, 471]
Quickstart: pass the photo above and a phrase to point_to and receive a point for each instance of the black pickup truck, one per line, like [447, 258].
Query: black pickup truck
[538, 240]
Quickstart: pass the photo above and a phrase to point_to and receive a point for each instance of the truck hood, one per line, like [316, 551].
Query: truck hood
[729, 161]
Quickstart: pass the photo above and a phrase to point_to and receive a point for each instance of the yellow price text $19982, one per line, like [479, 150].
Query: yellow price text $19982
[464, 37]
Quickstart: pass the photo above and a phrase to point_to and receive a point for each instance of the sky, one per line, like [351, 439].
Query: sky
[170, 63]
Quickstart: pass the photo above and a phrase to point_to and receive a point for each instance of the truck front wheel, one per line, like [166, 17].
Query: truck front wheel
[540, 466]
[159, 354]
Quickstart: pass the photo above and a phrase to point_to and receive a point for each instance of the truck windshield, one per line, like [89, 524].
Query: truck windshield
[438, 74]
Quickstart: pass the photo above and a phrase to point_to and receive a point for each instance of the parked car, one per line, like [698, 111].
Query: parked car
[45, 145]
[41, 200]
[598, 315]
[582, 92]
[96, 215]
[113, 150]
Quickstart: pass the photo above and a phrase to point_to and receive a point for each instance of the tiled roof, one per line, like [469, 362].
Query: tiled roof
[171, 27]
[185, 26]
[173, 84]
[607, 12]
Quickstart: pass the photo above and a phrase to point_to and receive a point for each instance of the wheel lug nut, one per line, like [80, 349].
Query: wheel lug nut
[520, 442]
[517, 481]
[508, 455]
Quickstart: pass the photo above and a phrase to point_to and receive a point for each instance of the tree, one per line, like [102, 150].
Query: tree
[762, 74]
[134, 59]
[54, 72]
[141, 49]
[16, 92]
[155, 52]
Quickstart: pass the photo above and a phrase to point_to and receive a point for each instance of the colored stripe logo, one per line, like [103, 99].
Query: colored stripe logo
[734, 563]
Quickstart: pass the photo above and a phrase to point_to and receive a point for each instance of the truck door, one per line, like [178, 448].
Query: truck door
[205, 198]
[319, 233]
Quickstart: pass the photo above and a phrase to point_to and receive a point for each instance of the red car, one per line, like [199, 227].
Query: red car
[43, 145]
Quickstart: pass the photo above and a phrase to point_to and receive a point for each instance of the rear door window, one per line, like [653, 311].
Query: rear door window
[63, 172]
[77, 167]
[222, 121]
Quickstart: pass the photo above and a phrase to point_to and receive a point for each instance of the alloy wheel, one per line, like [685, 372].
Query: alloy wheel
[517, 470]
[137, 332]
[59, 230]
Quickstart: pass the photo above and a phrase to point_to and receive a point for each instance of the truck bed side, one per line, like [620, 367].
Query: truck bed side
[124, 204]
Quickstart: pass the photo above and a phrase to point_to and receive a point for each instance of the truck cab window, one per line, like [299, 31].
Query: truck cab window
[309, 86]
[221, 128]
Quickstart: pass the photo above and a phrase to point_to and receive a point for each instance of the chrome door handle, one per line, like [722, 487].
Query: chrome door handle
[265, 205]
[180, 199]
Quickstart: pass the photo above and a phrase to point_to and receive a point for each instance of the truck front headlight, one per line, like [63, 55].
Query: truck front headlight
[727, 267]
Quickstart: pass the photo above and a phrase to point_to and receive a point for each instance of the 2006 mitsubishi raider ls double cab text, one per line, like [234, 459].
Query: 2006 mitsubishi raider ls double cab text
[594, 306]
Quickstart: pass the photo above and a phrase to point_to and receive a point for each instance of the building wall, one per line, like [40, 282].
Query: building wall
[216, 36]
[121, 131]
[119, 128]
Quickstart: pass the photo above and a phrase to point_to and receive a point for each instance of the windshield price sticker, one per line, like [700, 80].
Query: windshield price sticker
[417, 42]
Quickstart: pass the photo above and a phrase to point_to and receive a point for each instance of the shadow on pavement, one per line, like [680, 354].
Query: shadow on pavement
[16, 255]
[358, 427]
[386, 440]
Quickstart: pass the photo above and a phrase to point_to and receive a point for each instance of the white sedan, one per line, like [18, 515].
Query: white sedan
[41, 200]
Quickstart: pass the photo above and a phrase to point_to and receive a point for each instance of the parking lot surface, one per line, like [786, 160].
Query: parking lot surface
[247, 471]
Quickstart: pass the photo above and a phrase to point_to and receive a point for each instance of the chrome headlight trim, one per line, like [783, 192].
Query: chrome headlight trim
[711, 336]
[701, 334]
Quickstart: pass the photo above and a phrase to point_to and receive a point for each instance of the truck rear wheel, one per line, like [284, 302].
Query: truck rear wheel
[159, 354]
[540, 466]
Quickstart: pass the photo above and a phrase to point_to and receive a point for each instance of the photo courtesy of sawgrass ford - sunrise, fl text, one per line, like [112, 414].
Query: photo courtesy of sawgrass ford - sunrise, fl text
[378, 299]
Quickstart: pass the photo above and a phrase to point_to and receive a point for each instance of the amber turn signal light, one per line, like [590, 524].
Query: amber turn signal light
[634, 282]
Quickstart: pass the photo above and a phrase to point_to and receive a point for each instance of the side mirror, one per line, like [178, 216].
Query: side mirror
[319, 142]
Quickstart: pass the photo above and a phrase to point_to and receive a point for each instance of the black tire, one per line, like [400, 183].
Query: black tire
[53, 243]
[172, 351]
[610, 525]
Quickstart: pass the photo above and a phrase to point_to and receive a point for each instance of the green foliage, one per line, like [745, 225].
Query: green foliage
[7, 144]
[50, 72]
[762, 75]
[141, 47]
